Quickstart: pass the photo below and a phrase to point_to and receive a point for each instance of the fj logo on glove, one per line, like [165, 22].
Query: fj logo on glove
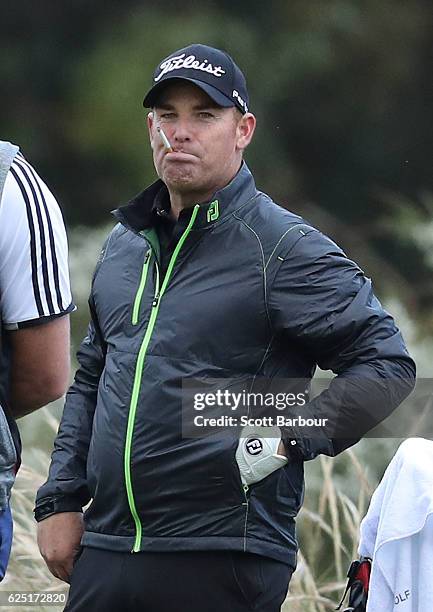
[254, 446]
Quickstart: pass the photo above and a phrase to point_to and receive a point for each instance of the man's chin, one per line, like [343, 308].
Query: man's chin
[181, 181]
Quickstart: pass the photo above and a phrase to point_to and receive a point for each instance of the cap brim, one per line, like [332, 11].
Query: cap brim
[218, 97]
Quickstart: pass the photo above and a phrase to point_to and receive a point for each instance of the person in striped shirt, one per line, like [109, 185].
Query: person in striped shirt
[35, 301]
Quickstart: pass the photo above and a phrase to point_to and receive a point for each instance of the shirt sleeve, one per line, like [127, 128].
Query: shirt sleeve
[34, 274]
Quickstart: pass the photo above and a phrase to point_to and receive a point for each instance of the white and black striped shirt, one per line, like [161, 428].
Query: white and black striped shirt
[34, 275]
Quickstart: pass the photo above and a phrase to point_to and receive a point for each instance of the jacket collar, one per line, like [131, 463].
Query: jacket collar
[139, 213]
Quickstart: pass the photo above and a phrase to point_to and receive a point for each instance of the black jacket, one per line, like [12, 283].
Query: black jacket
[251, 290]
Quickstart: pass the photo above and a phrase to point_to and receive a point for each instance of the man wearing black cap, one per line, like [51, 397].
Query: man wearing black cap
[205, 278]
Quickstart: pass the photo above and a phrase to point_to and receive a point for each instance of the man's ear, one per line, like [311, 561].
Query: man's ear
[245, 130]
[150, 125]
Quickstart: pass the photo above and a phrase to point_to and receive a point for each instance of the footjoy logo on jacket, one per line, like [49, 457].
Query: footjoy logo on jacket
[180, 61]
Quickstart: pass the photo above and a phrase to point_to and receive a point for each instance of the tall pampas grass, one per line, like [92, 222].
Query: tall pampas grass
[328, 527]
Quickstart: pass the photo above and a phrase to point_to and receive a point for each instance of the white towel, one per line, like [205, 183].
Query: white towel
[397, 532]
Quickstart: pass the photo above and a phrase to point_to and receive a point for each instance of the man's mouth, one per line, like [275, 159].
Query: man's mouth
[180, 156]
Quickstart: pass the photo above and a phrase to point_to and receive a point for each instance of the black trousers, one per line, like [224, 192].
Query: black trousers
[196, 581]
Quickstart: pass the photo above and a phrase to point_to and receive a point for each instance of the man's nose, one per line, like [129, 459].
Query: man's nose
[181, 130]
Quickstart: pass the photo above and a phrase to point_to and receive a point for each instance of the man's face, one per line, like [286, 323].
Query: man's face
[207, 140]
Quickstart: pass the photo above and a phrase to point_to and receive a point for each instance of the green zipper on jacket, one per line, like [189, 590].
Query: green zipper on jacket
[137, 301]
[246, 503]
[139, 372]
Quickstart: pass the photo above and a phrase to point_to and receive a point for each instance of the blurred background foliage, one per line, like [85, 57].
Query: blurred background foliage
[342, 91]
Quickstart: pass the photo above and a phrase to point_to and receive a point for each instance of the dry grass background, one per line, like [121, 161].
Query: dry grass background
[328, 527]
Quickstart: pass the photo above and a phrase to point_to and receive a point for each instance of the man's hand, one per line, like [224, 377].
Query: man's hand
[59, 537]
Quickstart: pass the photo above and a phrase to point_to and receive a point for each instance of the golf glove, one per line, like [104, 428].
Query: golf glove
[257, 455]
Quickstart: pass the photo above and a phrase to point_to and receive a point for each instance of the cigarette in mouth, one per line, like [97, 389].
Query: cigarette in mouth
[164, 139]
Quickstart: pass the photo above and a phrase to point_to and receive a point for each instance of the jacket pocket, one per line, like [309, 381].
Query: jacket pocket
[235, 477]
[140, 289]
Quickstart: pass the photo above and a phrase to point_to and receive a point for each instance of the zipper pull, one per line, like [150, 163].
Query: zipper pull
[246, 488]
[155, 301]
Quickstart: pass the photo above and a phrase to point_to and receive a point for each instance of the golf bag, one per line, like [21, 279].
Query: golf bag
[357, 585]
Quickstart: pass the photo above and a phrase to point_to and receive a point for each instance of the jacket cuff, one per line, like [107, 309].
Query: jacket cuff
[49, 506]
[302, 448]
[293, 449]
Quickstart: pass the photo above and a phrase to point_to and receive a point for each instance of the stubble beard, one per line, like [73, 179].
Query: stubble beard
[182, 180]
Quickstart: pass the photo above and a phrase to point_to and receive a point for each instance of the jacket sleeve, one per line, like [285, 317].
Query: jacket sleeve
[66, 488]
[321, 302]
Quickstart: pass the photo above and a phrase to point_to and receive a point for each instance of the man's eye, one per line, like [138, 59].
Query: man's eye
[167, 116]
[205, 115]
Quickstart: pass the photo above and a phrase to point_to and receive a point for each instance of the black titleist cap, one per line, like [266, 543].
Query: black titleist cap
[212, 70]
